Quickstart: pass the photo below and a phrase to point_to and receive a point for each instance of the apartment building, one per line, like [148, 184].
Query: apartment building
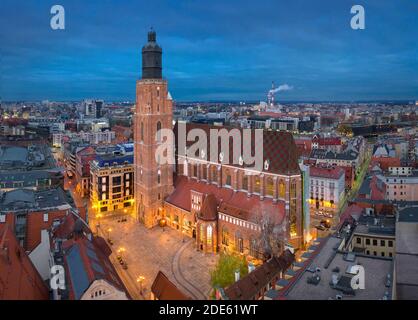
[374, 235]
[111, 182]
[401, 186]
[327, 187]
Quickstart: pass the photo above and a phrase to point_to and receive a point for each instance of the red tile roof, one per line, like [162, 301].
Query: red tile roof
[378, 190]
[237, 203]
[327, 141]
[386, 162]
[353, 209]
[164, 289]
[209, 210]
[279, 148]
[326, 172]
[94, 253]
[19, 279]
[252, 285]
[97, 266]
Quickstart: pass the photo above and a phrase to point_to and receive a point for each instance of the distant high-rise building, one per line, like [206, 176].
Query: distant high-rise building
[92, 108]
[99, 106]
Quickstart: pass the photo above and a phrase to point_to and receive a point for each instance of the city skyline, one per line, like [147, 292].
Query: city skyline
[228, 51]
[152, 200]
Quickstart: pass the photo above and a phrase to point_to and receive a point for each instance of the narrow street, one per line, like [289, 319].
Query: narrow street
[358, 182]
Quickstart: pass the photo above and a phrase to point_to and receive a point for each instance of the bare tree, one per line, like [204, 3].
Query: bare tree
[271, 237]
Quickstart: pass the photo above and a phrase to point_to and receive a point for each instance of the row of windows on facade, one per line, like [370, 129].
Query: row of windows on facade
[331, 185]
[239, 243]
[115, 206]
[116, 189]
[382, 253]
[320, 198]
[98, 293]
[115, 180]
[118, 200]
[238, 240]
[269, 185]
[105, 196]
[394, 181]
[400, 187]
[320, 195]
[375, 242]
[402, 193]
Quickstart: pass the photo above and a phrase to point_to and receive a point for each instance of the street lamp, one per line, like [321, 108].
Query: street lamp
[98, 216]
[109, 230]
[140, 280]
[121, 250]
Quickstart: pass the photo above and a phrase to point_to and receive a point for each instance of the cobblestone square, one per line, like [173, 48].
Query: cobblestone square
[148, 251]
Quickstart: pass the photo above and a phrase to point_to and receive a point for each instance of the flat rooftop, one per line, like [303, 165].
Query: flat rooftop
[376, 271]
[13, 154]
[409, 214]
[23, 199]
[376, 225]
[37, 156]
[407, 254]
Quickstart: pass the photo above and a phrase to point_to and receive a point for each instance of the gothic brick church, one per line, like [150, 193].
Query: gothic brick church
[217, 204]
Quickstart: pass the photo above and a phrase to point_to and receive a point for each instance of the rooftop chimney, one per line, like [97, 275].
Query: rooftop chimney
[251, 267]
[236, 275]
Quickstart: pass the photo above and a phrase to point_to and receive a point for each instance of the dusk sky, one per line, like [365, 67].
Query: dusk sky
[212, 50]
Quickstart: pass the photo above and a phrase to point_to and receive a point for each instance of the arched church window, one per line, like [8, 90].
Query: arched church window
[228, 178]
[209, 232]
[225, 236]
[293, 189]
[214, 173]
[204, 173]
[257, 184]
[253, 248]
[239, 242]
[245, 182]
[282, 189]
[270, 186]
[195, 170]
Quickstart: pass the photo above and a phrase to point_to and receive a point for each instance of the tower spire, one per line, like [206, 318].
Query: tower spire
[151, 57]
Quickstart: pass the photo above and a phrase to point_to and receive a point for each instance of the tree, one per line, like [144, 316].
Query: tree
[223, 275]
[272, 235]
[345, 130]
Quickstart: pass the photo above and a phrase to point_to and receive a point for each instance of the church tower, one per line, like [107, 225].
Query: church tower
[153, 111]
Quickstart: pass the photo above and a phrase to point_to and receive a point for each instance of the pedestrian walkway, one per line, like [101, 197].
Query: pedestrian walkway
[191, 289]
